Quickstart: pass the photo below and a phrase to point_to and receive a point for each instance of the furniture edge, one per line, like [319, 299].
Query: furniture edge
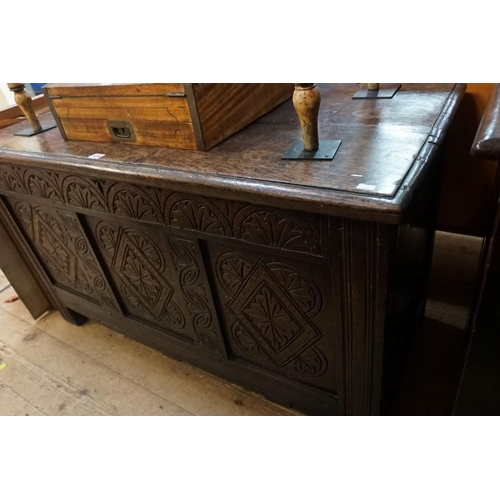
[430, 150]
[486, 143]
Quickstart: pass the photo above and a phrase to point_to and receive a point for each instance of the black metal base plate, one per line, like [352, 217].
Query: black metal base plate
[325, 152]
[29, 131]
[381, 93]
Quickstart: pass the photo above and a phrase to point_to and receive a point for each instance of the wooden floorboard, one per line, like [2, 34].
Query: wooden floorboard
[95, 370]
[13, 404]
[71, 373]
[3, 281]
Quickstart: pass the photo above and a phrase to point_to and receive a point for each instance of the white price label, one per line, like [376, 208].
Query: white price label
[366, 187]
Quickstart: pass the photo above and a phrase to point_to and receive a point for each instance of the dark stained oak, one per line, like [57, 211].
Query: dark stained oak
[301, 281]
[21, 278]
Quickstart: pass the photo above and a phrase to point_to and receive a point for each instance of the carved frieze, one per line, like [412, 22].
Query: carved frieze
[265, 226]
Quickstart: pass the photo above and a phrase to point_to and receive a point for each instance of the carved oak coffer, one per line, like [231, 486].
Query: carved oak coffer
[301, 281]
[174, 115]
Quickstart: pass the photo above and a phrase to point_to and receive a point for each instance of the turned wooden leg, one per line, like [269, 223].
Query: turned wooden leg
[373, 86]
[23, 100]
[306, 100]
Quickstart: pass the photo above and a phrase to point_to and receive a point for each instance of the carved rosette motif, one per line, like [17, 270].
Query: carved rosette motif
[259, 225]
[273, 305]
[63, 247]
[84, 193]
[193, 286]
[140, 266]
[275, 229]
[135, 202]
[265, 226]
[196, 213]
[11, 178]
[43, 185]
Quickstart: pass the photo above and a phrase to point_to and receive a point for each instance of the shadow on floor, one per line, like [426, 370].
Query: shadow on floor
[430, 379]
[432, 372]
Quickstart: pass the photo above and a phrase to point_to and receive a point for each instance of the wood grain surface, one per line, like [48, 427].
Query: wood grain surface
[115, 89]
[224, 109]
[158, 133]
[124, 108]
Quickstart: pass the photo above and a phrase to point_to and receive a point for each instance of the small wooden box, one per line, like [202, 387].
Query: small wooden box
[173, 115]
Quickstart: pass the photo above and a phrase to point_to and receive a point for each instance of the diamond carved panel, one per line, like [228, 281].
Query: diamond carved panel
[135, 269]
[269, 315]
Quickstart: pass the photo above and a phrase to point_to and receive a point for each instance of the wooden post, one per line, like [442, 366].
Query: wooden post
[23, 100]
[373, 86]
[306, 100]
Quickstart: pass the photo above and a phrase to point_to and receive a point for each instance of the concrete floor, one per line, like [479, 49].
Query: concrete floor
[49, 367]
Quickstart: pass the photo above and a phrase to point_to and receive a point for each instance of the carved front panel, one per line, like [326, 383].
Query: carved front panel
[138, 263]
[229, 278]
[188, 264]
[275, 312]
[62, 246]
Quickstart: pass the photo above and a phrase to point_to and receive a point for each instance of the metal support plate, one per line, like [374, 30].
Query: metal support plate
[387, 92]
[29, 131]
[325, 152]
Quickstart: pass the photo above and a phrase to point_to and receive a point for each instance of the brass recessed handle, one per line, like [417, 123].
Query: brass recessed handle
[121, 131]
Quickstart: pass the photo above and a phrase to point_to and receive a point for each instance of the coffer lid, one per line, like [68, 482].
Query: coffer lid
[387, 147]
